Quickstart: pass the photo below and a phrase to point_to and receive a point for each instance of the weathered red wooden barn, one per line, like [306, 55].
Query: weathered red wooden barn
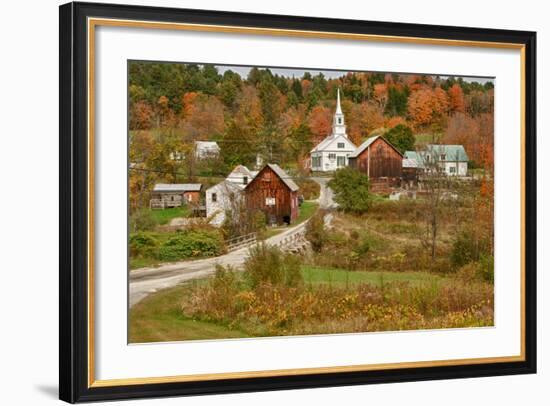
[380, 160]
[377, 158]
[273, 192]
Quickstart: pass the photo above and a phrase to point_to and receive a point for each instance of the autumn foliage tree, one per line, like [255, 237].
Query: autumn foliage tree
[456, 99]
[281, 117]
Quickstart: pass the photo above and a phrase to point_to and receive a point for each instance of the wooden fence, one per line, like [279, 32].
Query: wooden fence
[241, 241]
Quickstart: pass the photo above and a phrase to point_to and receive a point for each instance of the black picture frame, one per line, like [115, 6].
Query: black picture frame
[73, 284]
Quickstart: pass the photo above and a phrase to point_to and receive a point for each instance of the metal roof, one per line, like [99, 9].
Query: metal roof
[368, 143]
[207, 144]
[227, 185]
[283, 176]
[177, 187]
[453, 153]
[240, 169]
[363, 146]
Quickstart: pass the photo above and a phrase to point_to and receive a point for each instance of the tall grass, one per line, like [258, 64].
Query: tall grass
[266, 305]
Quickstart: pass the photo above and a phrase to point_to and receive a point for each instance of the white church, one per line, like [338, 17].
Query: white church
[333, 152]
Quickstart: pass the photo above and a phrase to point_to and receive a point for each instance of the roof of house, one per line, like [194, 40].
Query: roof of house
[287, 180]
[207, 144]
[411, 162]
[242, 170]
[453, 153]
[412, 159]
[368, 143]
[227, 185]
[177, 187]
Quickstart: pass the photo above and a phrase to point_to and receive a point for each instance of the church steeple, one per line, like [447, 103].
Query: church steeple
[338, 123]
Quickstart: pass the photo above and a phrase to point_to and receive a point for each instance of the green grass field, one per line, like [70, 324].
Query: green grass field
[163, 216]
[317, 275]
[159, 318]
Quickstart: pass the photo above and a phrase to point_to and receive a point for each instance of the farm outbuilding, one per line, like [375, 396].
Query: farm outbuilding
[378, 158]
[166, 195]
[273, 192]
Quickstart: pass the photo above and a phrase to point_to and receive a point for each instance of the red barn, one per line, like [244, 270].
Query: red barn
[273, 192]
[380, 160]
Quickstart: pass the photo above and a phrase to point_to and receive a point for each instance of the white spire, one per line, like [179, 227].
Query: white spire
[338, 125]
[338, 108]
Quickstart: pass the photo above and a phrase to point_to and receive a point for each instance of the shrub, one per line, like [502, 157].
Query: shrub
[482, 270]
[267, 264]
[351, 190]
[143, 244]
[315, 231]
[401, 137]
[469, 247]
[142, 220]
[192, 243]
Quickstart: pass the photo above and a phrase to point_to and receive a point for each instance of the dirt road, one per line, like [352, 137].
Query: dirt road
[326, 195]
[149, 280]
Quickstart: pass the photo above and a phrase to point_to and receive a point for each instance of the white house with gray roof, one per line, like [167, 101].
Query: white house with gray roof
[333, 152]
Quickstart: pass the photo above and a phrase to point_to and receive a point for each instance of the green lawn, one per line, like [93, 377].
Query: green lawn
[163, 216]
[136, 263]
[317, 275]
[159, 318]
[307, 209]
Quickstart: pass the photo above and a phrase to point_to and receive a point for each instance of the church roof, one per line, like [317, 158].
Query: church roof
[328, 141]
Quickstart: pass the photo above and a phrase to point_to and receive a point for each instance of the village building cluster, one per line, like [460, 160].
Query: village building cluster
[272, 191]
[379, 159]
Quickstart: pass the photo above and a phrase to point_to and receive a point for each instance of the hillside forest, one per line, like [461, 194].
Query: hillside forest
[282, 117]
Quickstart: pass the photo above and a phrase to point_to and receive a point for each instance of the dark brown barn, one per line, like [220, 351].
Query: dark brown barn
[273, 192]
[377, 158]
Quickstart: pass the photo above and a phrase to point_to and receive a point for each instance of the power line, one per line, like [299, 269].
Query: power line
[217, 176]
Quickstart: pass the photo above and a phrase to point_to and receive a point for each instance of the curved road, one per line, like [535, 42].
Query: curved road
[326, 195]
[145, 281]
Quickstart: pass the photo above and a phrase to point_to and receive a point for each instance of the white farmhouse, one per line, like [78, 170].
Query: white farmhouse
[228, 194]
[220, 198]
[333, 152]
[451, 159]
[206, 149]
